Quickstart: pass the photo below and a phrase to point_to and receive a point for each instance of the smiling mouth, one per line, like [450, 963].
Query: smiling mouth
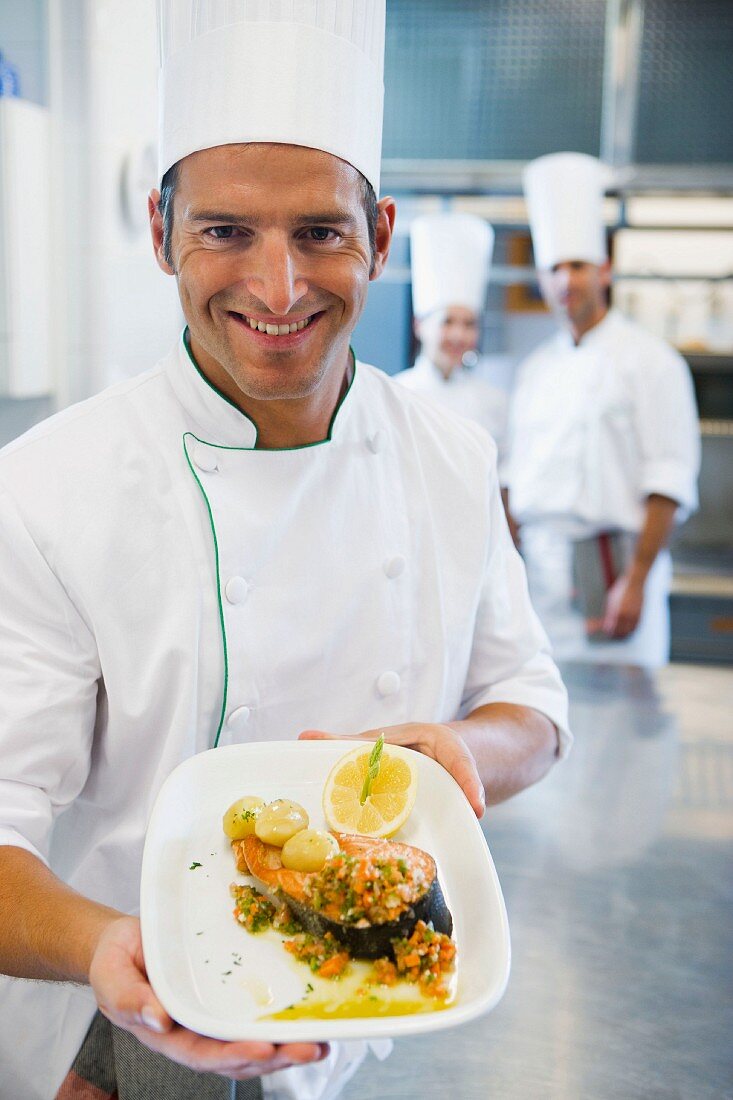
[272, 329]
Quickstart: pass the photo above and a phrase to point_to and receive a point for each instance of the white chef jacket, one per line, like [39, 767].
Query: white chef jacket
[167, 587]
[594, 429]
[463, 393]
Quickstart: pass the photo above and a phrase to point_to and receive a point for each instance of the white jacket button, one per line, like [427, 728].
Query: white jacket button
[376, 442]
[236, 590]
[205, 458]
[393, 567]
[388, 683]
[238, 718]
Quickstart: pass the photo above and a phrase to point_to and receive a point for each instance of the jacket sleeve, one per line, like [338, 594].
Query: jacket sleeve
[668, 429]
[49, 670]
[510, 658]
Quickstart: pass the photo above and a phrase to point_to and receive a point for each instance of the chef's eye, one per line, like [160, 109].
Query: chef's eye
[320, 233]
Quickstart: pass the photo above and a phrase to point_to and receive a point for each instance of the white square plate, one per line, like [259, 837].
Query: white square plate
[215, 978]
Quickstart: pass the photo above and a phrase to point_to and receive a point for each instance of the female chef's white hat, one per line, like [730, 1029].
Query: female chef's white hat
[297, 72]
[564, 194]
[450, 256]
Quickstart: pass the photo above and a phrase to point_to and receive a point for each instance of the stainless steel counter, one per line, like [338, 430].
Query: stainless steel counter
[618, 879]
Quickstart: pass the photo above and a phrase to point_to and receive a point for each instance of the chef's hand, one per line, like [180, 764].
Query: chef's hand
[624, 602]
[514, 530]
[438, 741]
[512, 524]
[117, 976]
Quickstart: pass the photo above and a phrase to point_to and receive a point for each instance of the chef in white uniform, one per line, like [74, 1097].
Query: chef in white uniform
[603, 438]
[450, 258]
[256, 537]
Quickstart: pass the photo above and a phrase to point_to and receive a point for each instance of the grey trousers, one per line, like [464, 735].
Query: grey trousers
[113, 1065]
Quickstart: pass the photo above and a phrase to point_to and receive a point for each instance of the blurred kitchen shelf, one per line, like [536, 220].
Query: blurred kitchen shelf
[712, 585]
[708, 361]
[701, 604]
[686, 277]
[701, 626]
[720, 428]
[432, 175]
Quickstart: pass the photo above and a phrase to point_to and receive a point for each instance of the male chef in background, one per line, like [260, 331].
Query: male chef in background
[255, 538]
[450, 259]
[603, 440]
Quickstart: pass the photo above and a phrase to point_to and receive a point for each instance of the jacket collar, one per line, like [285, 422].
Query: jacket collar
[427, 369]
[216, 419]
[595, 335]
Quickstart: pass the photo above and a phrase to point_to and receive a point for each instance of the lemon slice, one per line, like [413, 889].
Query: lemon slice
[390, 801]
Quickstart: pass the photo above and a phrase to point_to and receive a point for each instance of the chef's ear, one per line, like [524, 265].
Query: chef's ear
[605, 269]
[386, 211]
[157, 232]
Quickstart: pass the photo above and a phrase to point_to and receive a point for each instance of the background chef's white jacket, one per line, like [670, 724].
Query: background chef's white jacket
[165, 586]
[463, 393]
[593, 431]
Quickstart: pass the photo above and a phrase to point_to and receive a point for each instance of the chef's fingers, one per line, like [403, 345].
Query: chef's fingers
[443, 744]
[437, 741]
[238, 1060]
[117, 976]
[450, 750]
[619, 623]
[625, 625]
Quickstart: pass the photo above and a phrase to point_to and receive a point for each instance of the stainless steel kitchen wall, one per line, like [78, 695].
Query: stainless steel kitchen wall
[492, 79]
[685, 111]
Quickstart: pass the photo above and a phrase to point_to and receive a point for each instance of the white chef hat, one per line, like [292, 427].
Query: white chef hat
[450, 256]
[296, 72]
[564, 194]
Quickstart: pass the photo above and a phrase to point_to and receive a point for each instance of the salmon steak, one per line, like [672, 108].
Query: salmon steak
[367, 895]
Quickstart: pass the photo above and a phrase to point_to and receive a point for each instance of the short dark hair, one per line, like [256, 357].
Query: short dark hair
[168, 191]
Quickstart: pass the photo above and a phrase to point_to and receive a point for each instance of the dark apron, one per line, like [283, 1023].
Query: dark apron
[113, 1065]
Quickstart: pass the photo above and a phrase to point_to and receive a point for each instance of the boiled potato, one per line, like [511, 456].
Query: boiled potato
[239, 820]
[279, 821]
[308, 850]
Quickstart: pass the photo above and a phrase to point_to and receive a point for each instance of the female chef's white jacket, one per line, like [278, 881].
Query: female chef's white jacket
[594, 429]
[166, 587]
[463, 393]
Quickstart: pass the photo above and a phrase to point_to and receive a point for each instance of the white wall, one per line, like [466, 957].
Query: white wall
[113, 312]
[133, 314]
[116, 313]
[23, 43]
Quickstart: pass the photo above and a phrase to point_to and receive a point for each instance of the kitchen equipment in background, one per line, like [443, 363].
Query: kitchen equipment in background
[9, 82]
[648, 301]
[678, 283]
[695, 315]
[674, 253]
[720, 330]
[138, 175]
[691, 314]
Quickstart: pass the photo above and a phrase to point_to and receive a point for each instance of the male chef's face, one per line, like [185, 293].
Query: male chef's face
[447, 335]
[577, 291]
[271, 251]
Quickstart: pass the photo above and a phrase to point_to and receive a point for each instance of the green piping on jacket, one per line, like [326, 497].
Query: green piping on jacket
[223, 396]
[218, 588]
[190, 435]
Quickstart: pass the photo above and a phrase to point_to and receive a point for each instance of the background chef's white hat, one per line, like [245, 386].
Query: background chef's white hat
[450, 256]
[564, 193]
[297, 72]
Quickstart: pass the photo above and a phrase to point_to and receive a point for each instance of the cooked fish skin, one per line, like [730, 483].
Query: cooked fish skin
[374, 940]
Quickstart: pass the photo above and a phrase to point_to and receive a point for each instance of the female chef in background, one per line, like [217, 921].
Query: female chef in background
[450, 259]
